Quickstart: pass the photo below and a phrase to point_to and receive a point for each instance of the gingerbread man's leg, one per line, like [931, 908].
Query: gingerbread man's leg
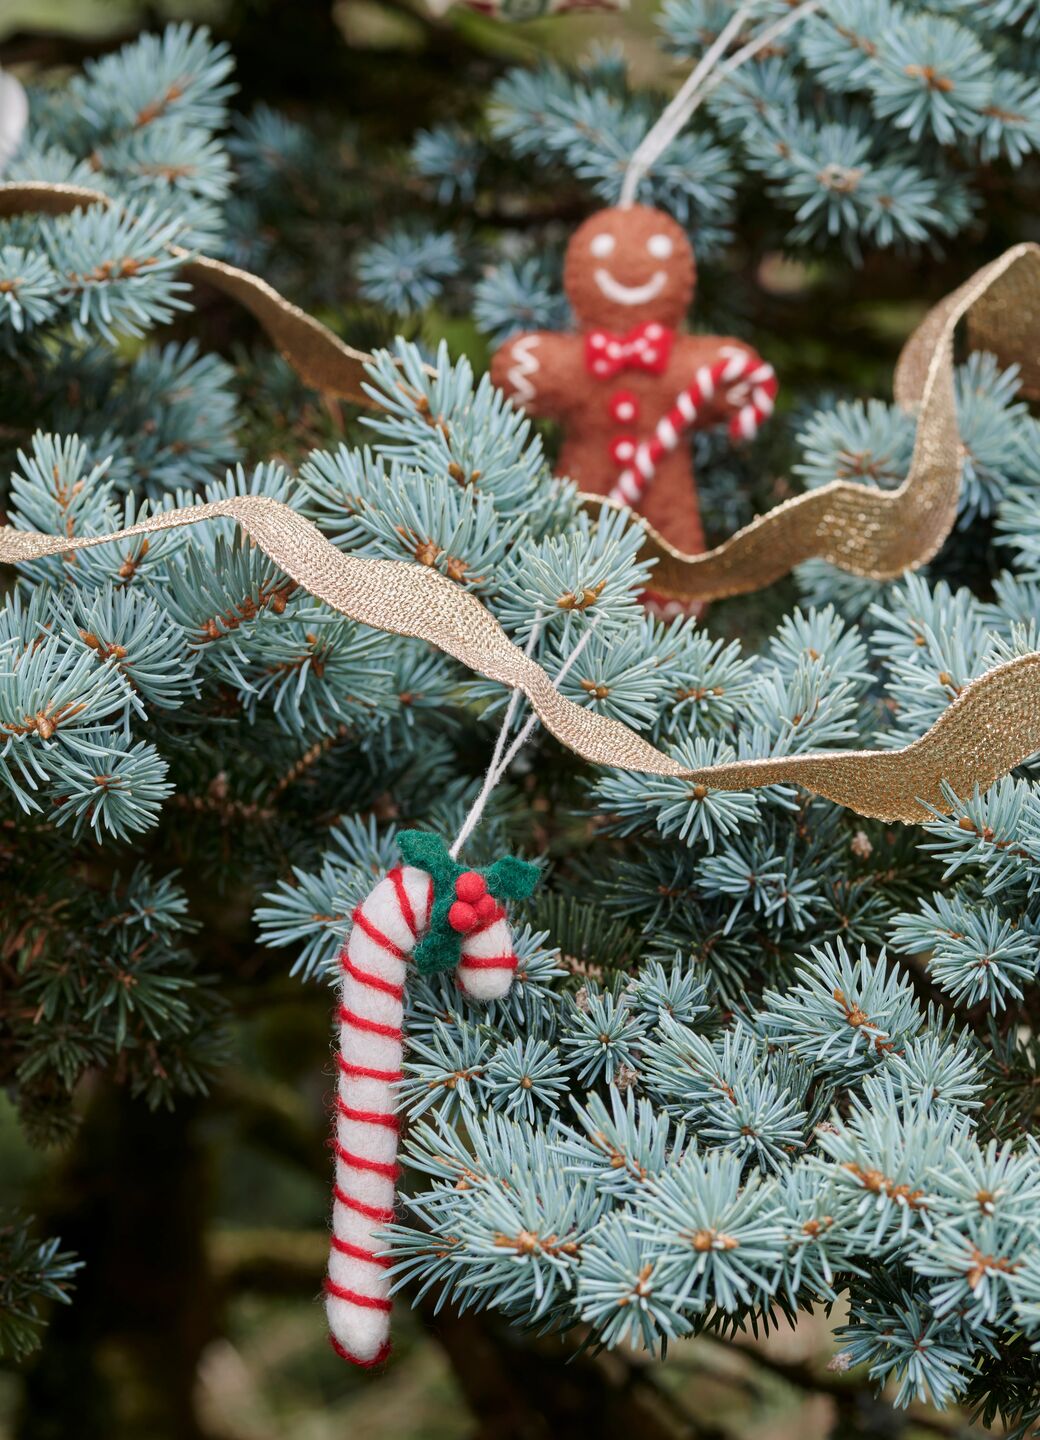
[671, 504]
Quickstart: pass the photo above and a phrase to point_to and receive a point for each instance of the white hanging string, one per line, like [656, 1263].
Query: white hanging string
[490, 777]
[698, 86]
[703, 79]
[675, 114]
[500, 762]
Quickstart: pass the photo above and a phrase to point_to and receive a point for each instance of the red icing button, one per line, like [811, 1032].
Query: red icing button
[462, 917]
[470, 887]
[623, 449]
[624, 407]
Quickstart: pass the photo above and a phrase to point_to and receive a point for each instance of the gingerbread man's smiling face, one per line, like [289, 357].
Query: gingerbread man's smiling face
[627, 267]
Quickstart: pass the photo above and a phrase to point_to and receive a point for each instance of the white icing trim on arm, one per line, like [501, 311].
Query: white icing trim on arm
[525, 365]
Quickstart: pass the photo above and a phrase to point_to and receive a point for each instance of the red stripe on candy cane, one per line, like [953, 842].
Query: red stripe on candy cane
[369, 1072]
[407, 913]
[368, 1302]
[752, 387]
[371, 1027]
[370, 1212]
[387, 926]
[388, 1169]
[376, 936]
[368, 1117]
[344, 1354]
[374, 982]
[357, 1252]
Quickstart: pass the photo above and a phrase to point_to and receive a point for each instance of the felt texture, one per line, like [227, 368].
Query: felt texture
[388, 928]
[508, 879]
[549, 374]
[736, 372]
[357, 1292]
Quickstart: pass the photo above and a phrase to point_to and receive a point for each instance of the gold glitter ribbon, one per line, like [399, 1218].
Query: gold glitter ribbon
[866, 531]
[994, 723]
[876, 533]
[992, 726]
[319, 357]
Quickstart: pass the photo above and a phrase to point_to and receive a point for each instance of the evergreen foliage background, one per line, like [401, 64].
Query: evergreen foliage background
[803, 1039]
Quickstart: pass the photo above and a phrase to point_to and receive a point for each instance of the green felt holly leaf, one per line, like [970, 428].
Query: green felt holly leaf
[511, 878]
[507, 879]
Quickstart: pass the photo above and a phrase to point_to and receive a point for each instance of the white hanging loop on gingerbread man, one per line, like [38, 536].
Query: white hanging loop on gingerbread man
[629, 386]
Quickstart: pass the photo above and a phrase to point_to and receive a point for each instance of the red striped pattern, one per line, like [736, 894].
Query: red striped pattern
[753, 390]
[371, 1027]
[358, 1252]
[403, 902]
[365, 977]
[367, 1072]
[488, 962]
[376, 936]
[362, 1162]
[345, 1354]
[367, 1117]
[367, 1302]
[370, 1212]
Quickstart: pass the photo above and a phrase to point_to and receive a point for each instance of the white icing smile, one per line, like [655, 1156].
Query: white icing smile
[630, 294]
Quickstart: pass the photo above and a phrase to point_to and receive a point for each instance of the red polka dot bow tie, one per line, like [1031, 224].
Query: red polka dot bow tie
[647, 347]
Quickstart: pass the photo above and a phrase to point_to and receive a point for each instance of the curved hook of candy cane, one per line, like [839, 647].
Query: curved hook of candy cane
[753, 390]
[387, 926]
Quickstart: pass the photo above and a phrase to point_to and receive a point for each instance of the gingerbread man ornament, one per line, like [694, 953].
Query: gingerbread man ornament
[628, 386]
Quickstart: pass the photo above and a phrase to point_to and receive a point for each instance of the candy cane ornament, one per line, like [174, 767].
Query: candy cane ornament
[751, 397]
[444, 916]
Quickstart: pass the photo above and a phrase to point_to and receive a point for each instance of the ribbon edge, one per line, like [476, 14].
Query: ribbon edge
[438, 612]
[321, 357]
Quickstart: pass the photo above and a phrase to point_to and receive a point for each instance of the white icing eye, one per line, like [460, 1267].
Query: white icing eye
[660, 246]
[602, 245]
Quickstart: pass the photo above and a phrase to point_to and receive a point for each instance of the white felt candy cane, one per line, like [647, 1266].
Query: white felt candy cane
[388, 926]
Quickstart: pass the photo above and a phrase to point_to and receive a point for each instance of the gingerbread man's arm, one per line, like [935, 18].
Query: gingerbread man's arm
[745, 400]
[540, 371]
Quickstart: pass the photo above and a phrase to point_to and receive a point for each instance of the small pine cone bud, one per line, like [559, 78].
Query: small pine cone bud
[840, 1362]
[860, 845]
[581, 999]
[625, 1077]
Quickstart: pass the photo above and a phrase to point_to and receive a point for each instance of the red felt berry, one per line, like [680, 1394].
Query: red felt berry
[470, 887]
[487, 909]
[462, 917]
